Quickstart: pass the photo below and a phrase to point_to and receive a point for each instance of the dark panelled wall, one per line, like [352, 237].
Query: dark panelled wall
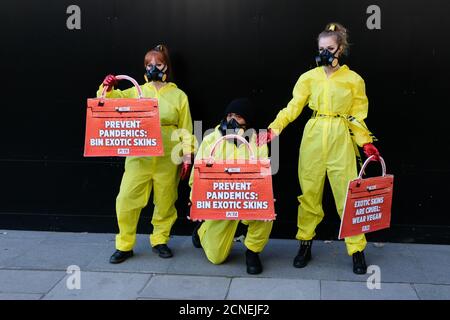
[221, 49]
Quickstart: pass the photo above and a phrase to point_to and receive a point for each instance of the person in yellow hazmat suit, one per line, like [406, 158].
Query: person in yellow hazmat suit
[160, 174]
[216, 236]
[330, 139]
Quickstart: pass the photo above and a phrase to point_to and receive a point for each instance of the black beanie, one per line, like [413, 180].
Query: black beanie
[244, 108]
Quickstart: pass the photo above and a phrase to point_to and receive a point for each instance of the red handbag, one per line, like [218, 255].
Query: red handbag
[368, 203]
[232, 189]
[123, 127]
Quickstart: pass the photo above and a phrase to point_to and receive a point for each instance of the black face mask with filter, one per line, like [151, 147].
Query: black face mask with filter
[154, 74]
[326, 58]
[230, 127]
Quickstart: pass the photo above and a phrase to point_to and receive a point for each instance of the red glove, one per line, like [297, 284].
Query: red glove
[110, 82]
[370, 150]
[265, 137]
[186, 167]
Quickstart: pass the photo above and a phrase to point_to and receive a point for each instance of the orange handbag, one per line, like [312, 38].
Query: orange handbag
[232, 189]
[368, 204]
[122, 127]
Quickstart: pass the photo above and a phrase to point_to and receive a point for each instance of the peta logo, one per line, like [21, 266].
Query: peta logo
[123, 151]
[123, 109]
[232, 170]
[232, 214]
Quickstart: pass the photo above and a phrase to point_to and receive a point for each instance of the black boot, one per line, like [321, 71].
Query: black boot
[304, 254]
[359, 263]
[195, 238]
[120, 256]
[254, 265]
[162, 250]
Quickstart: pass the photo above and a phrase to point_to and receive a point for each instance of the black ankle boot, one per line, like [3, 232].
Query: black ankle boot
[359, 263]
[162, 250]
[254, 265]
[195, 237]
[304, 254]
[120, 256]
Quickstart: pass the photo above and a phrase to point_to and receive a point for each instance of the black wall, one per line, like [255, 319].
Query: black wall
[220, 50]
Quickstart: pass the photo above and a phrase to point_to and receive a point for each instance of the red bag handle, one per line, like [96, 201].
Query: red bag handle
[124, 77]
[369, 159]
[229, 137]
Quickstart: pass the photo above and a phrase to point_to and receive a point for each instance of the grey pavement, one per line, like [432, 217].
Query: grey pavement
[60, 266]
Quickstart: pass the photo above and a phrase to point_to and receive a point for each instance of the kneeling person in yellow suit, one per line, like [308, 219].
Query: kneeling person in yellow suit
[216, 236]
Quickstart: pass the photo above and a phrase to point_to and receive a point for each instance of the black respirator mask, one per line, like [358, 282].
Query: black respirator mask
[326, 58]
[154, 74]
[230, 127]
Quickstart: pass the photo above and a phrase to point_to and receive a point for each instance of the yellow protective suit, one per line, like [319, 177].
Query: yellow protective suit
[142, 174]
[339, 103]
[216, 236]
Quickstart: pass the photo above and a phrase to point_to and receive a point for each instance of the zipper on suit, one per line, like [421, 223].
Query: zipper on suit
[325, 120]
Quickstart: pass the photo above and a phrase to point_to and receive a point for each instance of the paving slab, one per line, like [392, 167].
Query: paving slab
[432, 291]
[100, 286]
[25, 234]
[346, 290]
[186, 287]
[20, 296]
[80, 238]
[57, 256]
[12, 248]
[273, 289]
[26, 281]
[434, 261]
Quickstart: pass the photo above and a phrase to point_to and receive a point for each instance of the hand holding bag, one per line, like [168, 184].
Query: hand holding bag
[232, 189]
[368, 203]
[122, 126]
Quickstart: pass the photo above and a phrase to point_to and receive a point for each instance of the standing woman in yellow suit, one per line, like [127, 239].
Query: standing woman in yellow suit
[162, 174]
[338, 98]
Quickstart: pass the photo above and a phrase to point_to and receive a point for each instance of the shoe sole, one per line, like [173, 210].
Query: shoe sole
[195, 243]
[300, 266]
[196, 238]
[357, 272]
[162, 256]
[116, 261]
[304, 264]
[254, 272]
[119, 261]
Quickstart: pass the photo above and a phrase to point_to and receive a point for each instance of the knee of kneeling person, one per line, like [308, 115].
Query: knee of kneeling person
[215, 258]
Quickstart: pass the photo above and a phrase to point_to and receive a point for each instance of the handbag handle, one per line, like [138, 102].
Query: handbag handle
[229, 137]
[124, 77]
[369, 159]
